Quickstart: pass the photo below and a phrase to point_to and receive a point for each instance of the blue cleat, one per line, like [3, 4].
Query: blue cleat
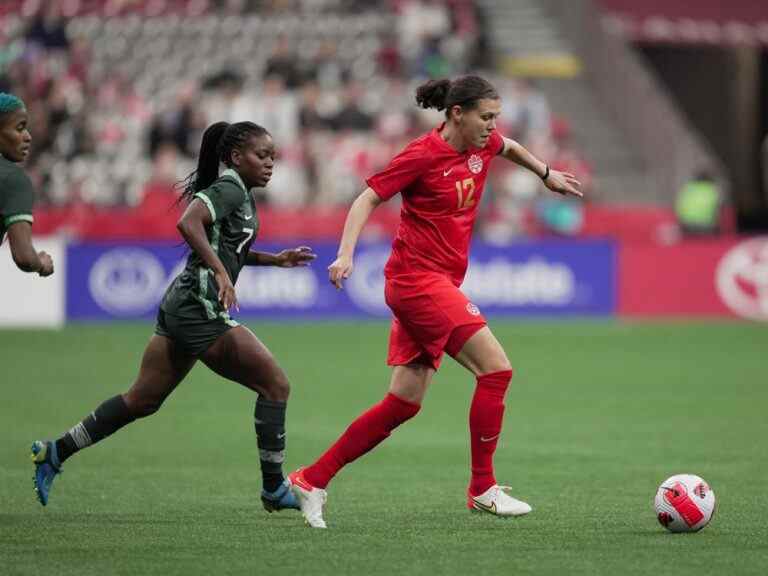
[280, 499]
[47, 467]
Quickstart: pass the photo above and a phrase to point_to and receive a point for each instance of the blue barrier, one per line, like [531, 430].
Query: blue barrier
[536, 278]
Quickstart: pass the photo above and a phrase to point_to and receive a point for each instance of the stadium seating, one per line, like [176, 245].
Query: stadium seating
[120, 91]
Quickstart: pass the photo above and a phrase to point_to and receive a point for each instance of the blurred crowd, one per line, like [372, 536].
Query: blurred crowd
[119, 92]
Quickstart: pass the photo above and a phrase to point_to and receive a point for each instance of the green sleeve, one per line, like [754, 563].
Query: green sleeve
[16, 198]
[222, 198]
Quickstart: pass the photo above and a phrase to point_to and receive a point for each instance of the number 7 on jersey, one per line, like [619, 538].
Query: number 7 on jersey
[249, 233]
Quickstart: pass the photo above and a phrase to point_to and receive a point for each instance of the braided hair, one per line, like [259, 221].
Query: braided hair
[219, 140]
[464, 91]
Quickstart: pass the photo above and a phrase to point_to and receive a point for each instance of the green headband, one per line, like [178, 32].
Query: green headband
[9, 103]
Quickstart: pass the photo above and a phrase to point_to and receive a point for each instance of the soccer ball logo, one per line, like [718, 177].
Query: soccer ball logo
[684, 503]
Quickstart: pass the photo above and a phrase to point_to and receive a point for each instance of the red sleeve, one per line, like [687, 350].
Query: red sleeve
[495, 143]
[402, 170]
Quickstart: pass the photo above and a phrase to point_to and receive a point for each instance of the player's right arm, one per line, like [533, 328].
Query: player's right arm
[357, 216]
[192, 226]
[402, 170]
[208, 206]
[16, 203]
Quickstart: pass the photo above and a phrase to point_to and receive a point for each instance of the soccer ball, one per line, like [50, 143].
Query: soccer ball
[684, 503]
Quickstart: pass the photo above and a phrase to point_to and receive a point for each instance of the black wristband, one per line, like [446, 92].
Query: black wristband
[546, 174]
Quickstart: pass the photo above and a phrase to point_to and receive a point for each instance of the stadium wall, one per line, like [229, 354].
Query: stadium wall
[538, 278]
[707, 278]
[27, 299]
[717, 277]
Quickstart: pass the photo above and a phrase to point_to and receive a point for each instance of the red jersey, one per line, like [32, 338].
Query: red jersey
[441, 190]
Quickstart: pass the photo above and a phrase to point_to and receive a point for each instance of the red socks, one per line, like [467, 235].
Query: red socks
[376, 424]
[485, 418]
[367, 431]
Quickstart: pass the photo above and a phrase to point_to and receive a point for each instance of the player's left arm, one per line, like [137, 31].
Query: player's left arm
[563, 183]
[301, 256]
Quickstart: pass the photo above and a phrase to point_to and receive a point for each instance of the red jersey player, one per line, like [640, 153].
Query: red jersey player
[440, 176]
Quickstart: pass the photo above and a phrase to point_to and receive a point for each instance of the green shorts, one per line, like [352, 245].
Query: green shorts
[191, 335]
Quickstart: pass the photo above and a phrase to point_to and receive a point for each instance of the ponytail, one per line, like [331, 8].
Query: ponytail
[464, 91]
[207, 162]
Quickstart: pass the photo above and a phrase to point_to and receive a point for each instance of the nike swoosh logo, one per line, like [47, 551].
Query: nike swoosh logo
[281, 436]
[446, 172]
[248, 217]
[481, 506]
[484, 439]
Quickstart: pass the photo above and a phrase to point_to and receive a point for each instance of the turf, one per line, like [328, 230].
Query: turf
[598, 415]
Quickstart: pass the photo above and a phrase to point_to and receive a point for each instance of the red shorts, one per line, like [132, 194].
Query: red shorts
[432, 316]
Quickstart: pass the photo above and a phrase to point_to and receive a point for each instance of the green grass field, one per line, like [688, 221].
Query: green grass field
[598, 415]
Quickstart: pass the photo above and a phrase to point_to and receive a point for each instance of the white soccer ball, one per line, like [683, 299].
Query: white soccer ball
[684, 503]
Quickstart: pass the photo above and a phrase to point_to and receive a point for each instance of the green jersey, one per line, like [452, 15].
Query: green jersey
[194, 293]
[16, 196]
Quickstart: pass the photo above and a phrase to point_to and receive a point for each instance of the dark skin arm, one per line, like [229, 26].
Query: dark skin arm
[192, 225]
[300, 256]
[24, 254]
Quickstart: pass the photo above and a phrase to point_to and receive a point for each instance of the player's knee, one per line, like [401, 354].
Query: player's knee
[279, 388]
[282, 391]
[503, 365]
[499, 363]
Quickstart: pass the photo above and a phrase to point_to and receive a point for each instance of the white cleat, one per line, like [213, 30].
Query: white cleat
[496, 500]
[311, 499]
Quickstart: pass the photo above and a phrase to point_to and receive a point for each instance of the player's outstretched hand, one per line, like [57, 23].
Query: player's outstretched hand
[47, 264]
[339, 271]
[563, 183]
[227, 295]
[300, 256]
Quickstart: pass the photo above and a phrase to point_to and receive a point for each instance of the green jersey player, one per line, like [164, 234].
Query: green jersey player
[16, 193]
[193, 322]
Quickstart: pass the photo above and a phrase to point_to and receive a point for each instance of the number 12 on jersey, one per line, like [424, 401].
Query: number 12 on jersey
[465, 190]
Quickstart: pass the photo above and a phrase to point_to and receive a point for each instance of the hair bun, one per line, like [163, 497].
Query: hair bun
[433, 94]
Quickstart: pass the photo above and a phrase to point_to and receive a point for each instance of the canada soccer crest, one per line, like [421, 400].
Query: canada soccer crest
[475, 164]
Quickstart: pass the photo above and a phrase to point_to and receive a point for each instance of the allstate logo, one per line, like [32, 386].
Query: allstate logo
[742, 279]
[127, 281]
[366, 285]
